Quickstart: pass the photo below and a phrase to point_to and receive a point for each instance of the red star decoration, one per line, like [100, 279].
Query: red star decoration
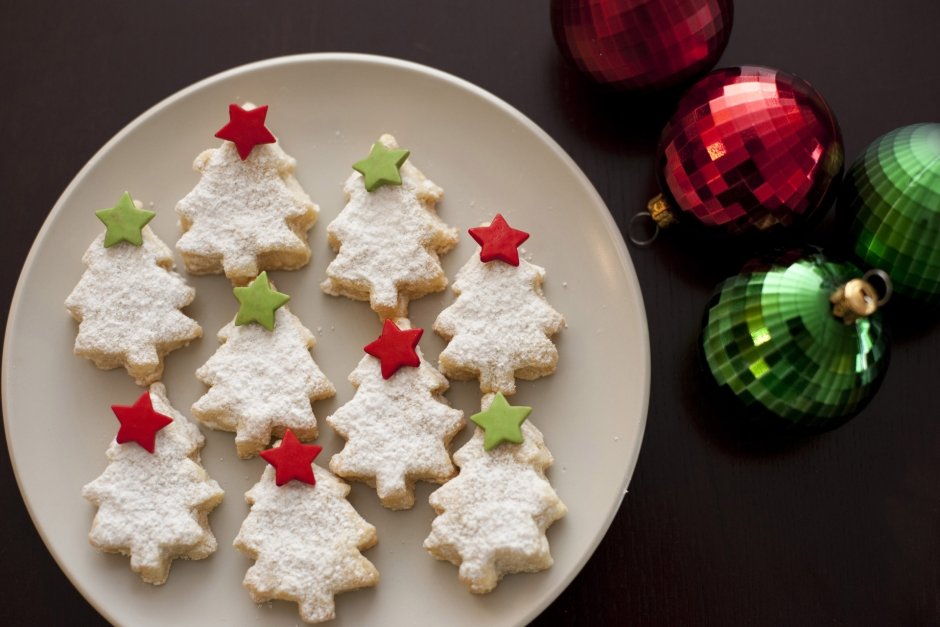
[292, 460]
[395, 348]
[139, 422]
[246, 129]
[499, 241]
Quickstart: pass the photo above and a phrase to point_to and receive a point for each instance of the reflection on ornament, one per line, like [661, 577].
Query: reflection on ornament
[891, 197]
[749, 149]
[774, 338]
[642, 44]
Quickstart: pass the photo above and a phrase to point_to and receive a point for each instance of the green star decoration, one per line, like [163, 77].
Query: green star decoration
[501, 422]
[124, 221]
[258, 301]
[381, 167]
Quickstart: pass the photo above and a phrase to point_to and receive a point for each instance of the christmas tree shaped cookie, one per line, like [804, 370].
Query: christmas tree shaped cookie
[154, 497]
[388, 236]
[500, 326]
[128, 301]
[491, 519]
[262, 379]
[247, 213]
[398, 426]
[303, 534]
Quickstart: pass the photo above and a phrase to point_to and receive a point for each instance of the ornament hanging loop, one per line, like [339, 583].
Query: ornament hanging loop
[885, 279]
[642, 229]
[858, 298]
[659, 213]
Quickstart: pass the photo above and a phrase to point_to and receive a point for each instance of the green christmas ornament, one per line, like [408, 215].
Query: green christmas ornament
[800, 339]
[892, 197]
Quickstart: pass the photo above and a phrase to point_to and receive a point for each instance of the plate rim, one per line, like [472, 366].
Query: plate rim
[610, 225]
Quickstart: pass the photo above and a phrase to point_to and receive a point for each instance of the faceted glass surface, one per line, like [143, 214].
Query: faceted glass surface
[892, 192]
[642, 44]
[751, 149]
[771, 339]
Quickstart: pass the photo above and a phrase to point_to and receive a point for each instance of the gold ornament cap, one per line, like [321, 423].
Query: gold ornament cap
[661, 212]
[858, 298]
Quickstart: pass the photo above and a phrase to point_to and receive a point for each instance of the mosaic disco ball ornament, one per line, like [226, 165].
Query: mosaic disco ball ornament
[748, 150]
[642, 44]
[892, 197]
[801, 342]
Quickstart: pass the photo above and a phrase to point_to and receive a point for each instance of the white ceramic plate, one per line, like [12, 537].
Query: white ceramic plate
[327, 109]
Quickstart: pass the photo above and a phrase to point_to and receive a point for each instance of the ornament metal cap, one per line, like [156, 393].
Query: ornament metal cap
[659, 212]
[858, 298]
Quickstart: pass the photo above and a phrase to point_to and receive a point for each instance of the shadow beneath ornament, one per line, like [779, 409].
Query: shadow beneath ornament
[910, 321]
[739, 431]
[618, 122]
[697, 257]
[703, 257]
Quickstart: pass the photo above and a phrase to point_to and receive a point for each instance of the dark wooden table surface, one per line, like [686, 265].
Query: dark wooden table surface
[721, 526]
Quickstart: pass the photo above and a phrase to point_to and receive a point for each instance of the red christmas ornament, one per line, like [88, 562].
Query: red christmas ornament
[499, 241]
[246, 129]
[139, 422]
[292, 460]
[395, 348]
[749, 149]
[642, 44]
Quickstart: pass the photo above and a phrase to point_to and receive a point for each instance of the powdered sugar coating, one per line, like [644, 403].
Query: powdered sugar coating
[500, 325]
[128, 305]
[389, 242]
[493, 516]
[306, 542]
[155, 507]
[245, 216]
[262, 382]
[398, 430]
